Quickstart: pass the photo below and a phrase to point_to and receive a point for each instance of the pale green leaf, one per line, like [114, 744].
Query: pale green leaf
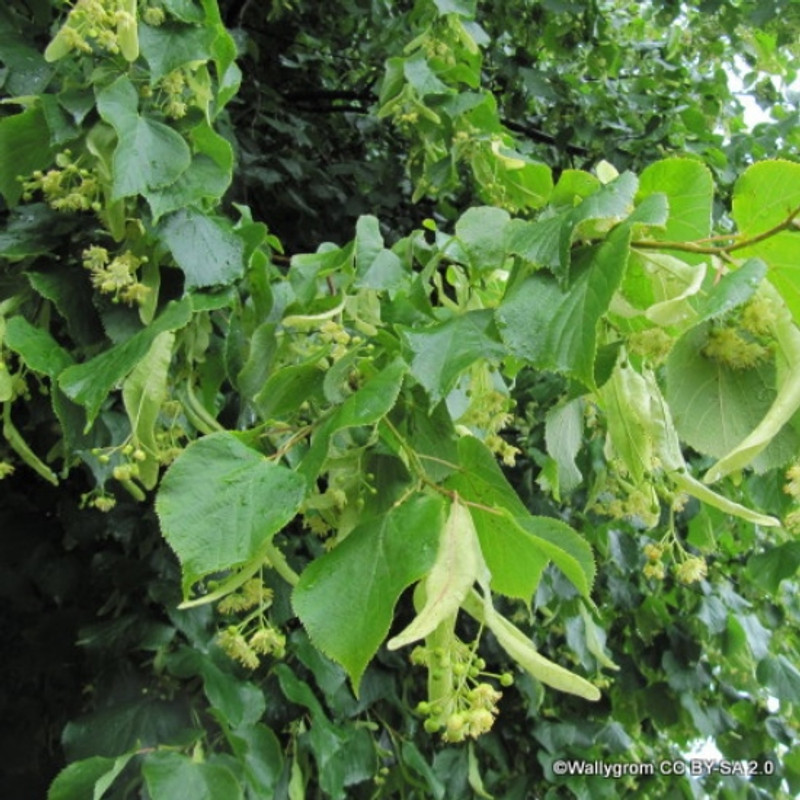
[368, 570]
[458, 565]
[563, 436]
[522, 650]
[221, 502]
[625, 401]
[143, 393]
[89, 383]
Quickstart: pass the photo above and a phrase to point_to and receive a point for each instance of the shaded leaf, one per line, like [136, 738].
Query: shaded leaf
[368, 570]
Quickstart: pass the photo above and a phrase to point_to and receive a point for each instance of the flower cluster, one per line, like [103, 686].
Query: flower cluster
[94, 24]
[489, 411]
[688, 569]
[254, 636]
[758, 316]
[66, 187]
[652, 344]
[469, 706]
[334, 333]
[251, 594]
[6, 469]
[729, 347]
[654, 568]
[792, 485]
[692, 569]
[116, 276]
[173, 85]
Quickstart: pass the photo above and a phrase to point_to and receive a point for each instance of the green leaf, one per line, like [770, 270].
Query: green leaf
[482, 232]
[734, 289]
[776, 565]
[515, 562]
[220, 502]
[373, 401]
[287, 388]
[563, 435]
[203, 179]
[662, 287]
[763, 198]
[89, 383]
[149, 155]
[715, 407]
[170, 46]
[442, 352]
[780, 677]
[515, 545]
[208, 252]
[783, 407]
[368, 570]
[184, 10]
[126, 725]
[668, 450]
[143, 393]
[235, 702]
[556, 328]
[169, 775]
[25, 145]
[567, 549]
[458, 565]
[765, 195]
[689, 188]
[261, 756]
[36, 347]
[376, 267]
[89, 778]
[625, 400]
[344, 755]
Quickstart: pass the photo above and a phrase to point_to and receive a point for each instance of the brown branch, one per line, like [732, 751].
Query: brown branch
[697, 247]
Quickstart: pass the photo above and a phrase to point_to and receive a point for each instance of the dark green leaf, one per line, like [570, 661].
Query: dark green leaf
[776, 565]
[170, 775]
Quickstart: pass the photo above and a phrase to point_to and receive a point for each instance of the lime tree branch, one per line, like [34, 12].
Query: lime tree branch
[739, 243]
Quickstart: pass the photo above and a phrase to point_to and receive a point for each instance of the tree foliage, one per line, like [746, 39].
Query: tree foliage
[402, 398]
